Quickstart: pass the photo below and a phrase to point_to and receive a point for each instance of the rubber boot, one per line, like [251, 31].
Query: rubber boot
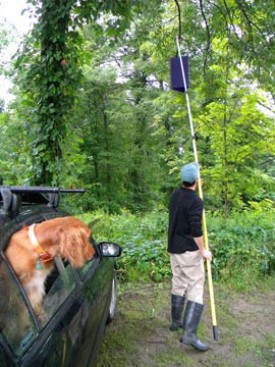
[191, 321]
[177, 303]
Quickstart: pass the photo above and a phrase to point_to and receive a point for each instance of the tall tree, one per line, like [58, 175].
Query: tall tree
[55, 72]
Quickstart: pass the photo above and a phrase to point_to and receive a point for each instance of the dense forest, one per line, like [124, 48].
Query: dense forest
[93, 106]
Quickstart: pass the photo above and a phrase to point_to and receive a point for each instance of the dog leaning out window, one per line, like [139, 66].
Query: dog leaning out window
[37, 276]
[32, 249]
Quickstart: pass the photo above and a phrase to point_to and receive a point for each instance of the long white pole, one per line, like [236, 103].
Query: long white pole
[205, 236]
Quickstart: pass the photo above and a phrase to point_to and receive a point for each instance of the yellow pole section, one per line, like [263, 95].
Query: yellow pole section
[205, 235]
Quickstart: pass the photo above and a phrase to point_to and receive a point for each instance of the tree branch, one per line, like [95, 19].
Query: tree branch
[208, 35]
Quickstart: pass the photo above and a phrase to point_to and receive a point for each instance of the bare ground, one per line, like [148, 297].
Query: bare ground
[140, 336]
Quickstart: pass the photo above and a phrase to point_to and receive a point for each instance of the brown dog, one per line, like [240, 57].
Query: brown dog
[31, 251]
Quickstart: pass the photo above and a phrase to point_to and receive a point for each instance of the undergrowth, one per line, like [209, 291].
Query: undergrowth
[243, 246]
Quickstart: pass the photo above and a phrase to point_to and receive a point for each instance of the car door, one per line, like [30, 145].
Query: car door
[44, 340]
[18, 328]
[81, 323]
[62, 305]
[96, 291]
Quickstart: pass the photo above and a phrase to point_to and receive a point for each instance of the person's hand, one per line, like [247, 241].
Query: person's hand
[206, 254]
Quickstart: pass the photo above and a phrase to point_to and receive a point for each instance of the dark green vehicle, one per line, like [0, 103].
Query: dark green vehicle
[78, 302]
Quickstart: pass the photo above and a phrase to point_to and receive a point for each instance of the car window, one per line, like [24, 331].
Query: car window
[85, 269]
[59, 285]
[16, 324]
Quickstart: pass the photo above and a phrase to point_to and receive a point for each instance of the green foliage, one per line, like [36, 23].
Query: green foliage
[48, 85]
[244, 242]
[94, 109]
[51, 79]
[234, 131]
[14, 157]
[142, 238]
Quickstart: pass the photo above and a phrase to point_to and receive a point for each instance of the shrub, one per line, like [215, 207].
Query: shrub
[244, 241]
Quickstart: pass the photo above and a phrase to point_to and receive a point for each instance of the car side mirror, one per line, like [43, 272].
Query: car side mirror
[109, 249]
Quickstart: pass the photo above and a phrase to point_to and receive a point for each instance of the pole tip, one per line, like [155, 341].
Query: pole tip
[215, 333]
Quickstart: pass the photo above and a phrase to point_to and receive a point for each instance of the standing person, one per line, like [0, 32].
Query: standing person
[187, 254]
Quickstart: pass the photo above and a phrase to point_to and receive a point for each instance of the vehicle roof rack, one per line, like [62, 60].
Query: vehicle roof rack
[12, 197]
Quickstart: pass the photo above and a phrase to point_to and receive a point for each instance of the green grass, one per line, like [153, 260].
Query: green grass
[140, 335]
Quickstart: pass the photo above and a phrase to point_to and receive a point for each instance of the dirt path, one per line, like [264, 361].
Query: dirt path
[140, 336]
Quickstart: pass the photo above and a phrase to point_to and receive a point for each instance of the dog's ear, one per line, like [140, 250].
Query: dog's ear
[88, 248]
[74, 245]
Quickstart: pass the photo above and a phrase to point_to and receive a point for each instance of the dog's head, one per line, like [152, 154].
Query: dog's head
[69, 238]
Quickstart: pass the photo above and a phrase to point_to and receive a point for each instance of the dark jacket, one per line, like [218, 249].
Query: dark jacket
[185, 221]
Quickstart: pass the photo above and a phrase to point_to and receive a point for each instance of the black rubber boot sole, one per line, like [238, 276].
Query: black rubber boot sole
[197, 344]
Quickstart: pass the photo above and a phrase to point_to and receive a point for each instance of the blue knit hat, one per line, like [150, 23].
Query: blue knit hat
[190, 172]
